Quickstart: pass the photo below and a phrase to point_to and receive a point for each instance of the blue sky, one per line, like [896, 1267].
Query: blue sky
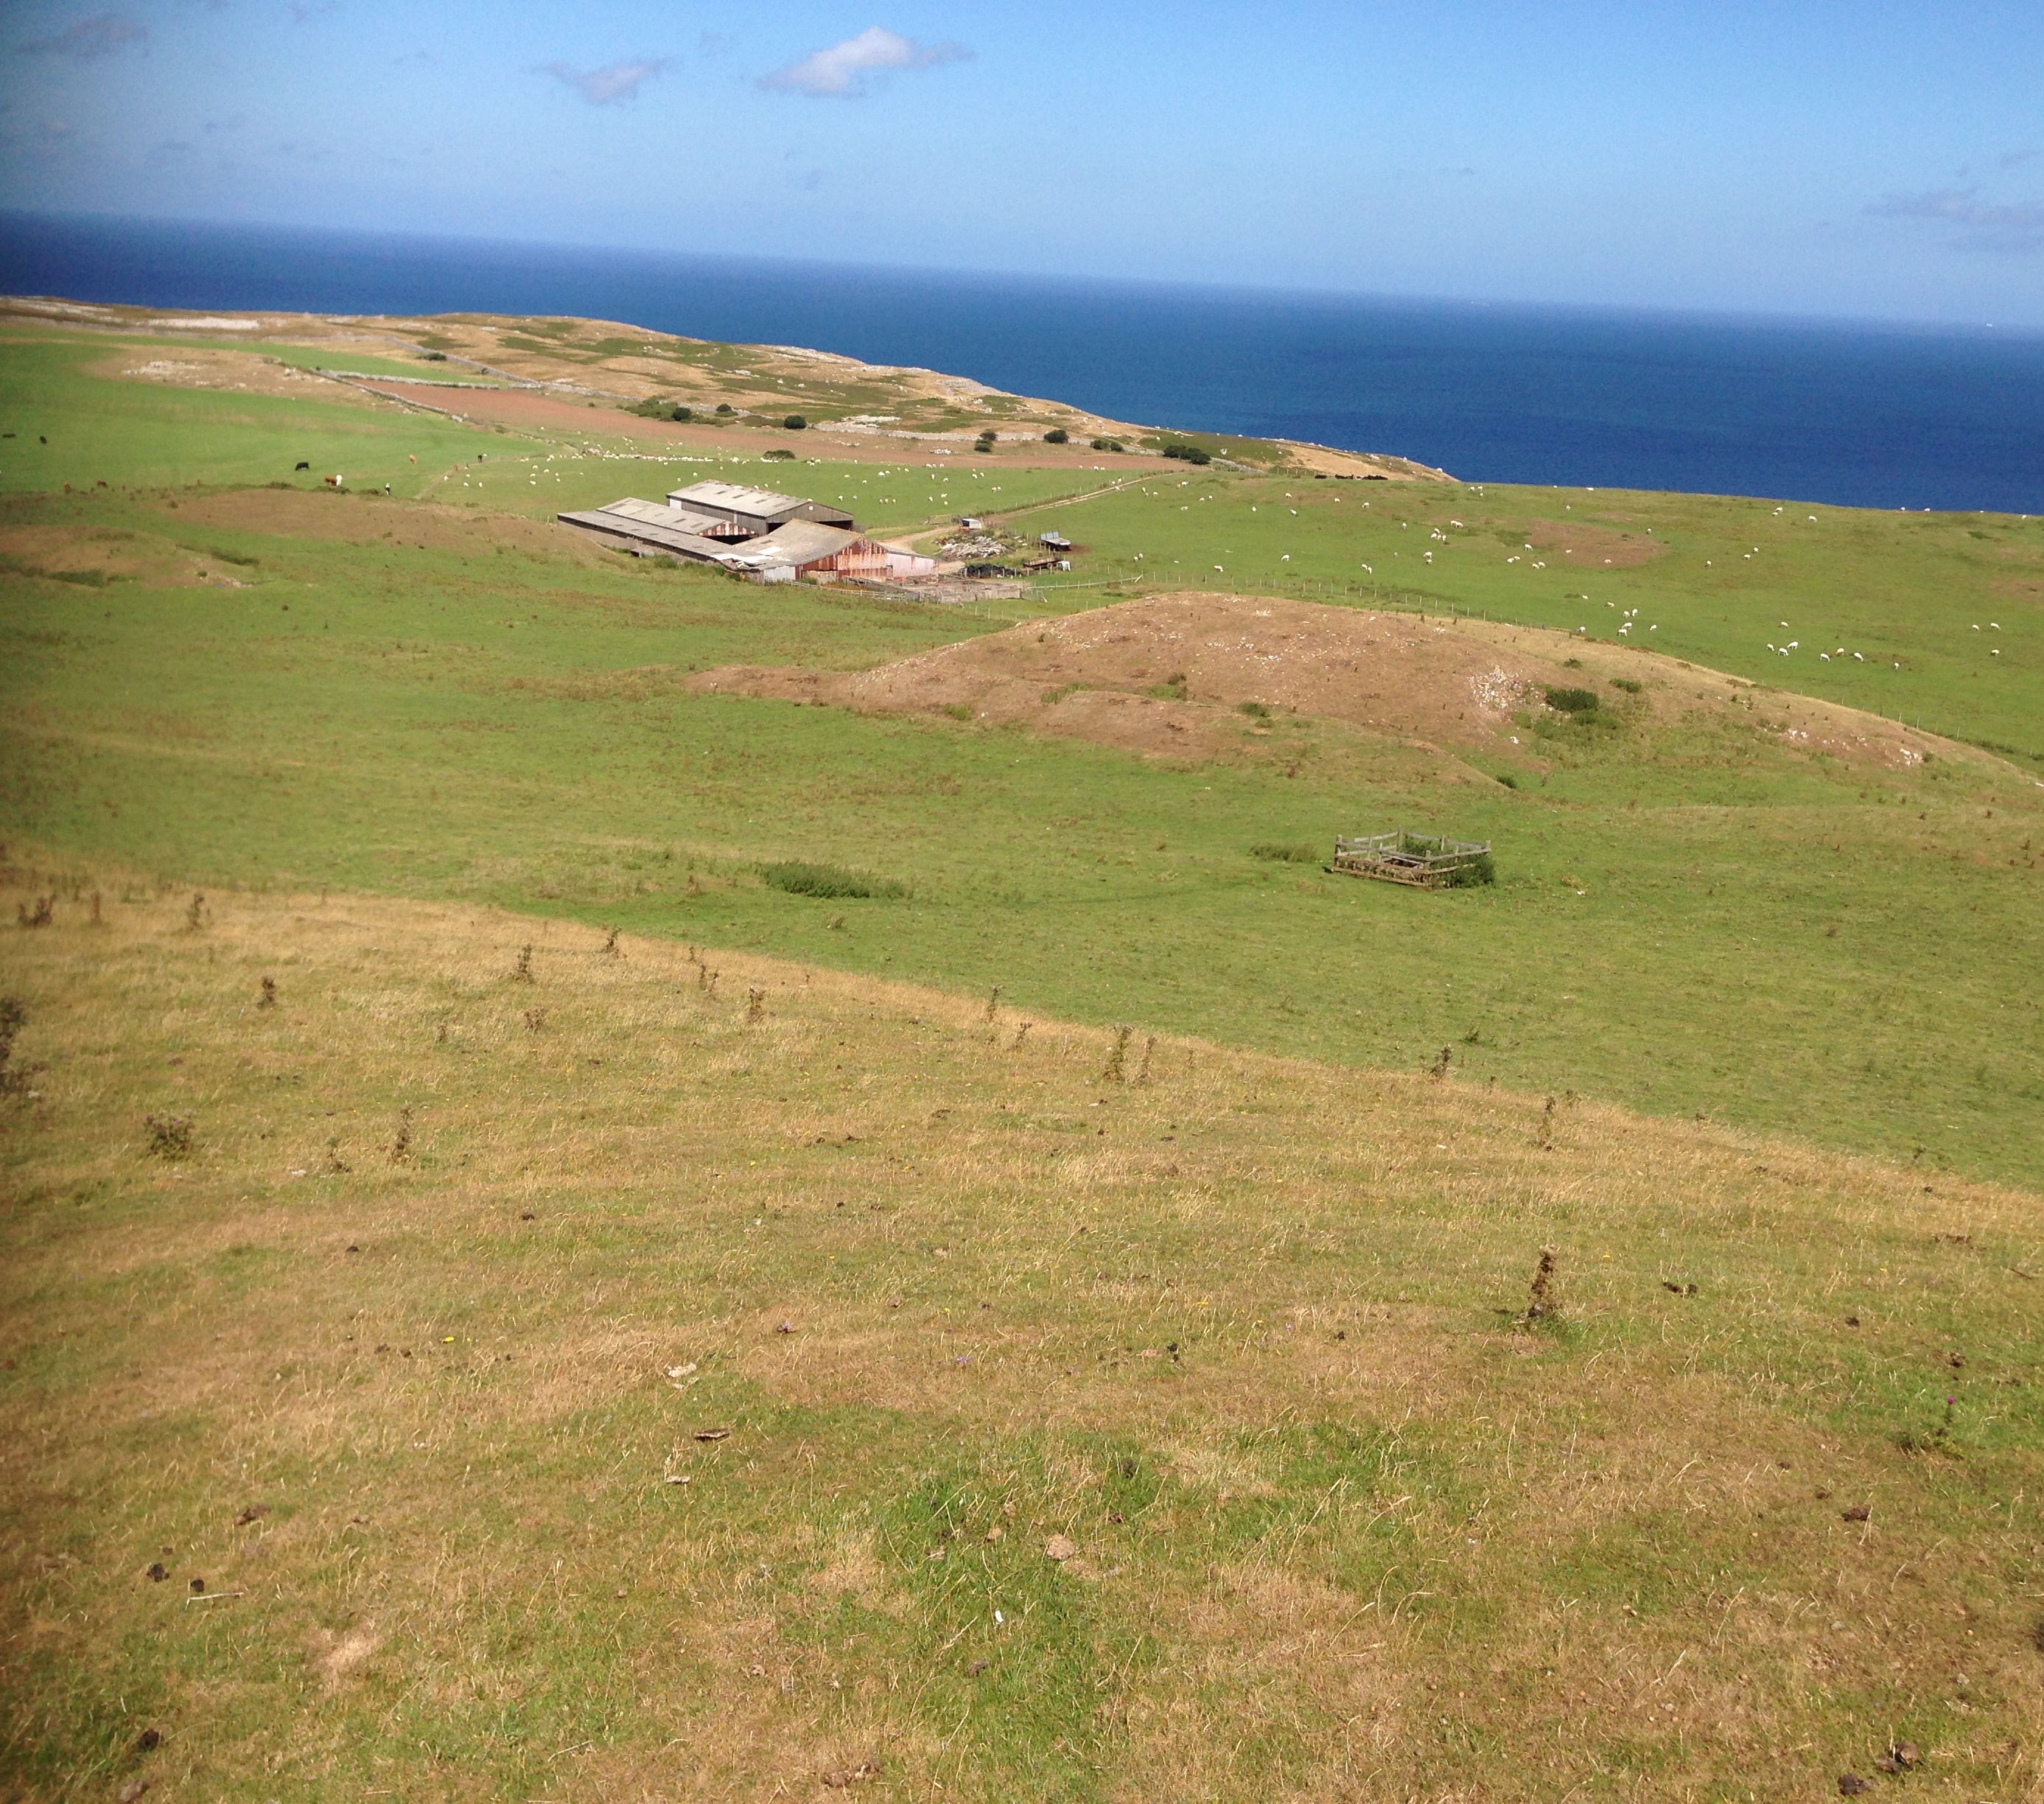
[1871, 159]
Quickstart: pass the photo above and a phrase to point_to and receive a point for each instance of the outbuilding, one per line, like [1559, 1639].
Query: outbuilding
[745, 513]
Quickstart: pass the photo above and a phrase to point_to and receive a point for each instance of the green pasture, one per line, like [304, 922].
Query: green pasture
[1689, 918]
[365, 363]
[1694, 921]
[102, 430]
[1945, 612]
[558, 475]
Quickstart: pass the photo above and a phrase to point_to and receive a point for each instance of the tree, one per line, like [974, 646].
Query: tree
[794, 422]
[1057, 435]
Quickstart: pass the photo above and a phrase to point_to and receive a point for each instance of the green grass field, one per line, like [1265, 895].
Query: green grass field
[1956, 600]
[649, 1379]
[1694, 922]
[512, 1286]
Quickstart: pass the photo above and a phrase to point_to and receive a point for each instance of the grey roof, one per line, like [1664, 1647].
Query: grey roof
[652, 513]
[761, 504]
[681, 542]
[800, 542]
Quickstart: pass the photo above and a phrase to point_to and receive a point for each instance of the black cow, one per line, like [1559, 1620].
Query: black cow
[304, 466]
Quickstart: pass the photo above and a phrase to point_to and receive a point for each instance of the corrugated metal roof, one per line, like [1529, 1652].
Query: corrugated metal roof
[761, 503]
[648, 533]
[652, 513]
[799, 542]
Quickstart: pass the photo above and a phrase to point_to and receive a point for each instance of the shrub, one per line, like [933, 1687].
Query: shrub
[1057, 435]
[1508, 780]
[1573, 700]
[1479, 871]
[1255, 710]
[983, 444]
[1107, 444]
[435, 357]
[1627, 684]
[779, 455]
[14, 1017]
[1274, 853]
[725, 407]
[795, 423]
[682, 413]
[1187, 453]
[798, 877]
[170, 1135]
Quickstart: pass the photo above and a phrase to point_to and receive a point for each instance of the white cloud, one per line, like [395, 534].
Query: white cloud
[89, 39]
[605, 87]
[845, 70]
[2017, 228]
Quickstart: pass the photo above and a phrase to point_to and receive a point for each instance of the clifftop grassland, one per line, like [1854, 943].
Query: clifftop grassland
[637, 1186]
[648, 1378]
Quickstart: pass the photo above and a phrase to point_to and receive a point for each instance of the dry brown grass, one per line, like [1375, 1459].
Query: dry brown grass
[1430, 682]
[235, 372]
[100, 553]
[337, 517]
[1244, 1334]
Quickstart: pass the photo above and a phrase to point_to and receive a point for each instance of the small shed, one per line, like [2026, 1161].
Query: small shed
[1054, 541]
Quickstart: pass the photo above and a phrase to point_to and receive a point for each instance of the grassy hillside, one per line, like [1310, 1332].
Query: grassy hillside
[1934, 618]
[640, 1378]
[442, 700]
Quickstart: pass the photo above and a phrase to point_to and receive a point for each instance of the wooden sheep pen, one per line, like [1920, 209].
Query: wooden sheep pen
[1423, 860]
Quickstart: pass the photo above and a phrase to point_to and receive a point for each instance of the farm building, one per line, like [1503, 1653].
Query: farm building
[748, 513]
[645, 526]
[797, 549]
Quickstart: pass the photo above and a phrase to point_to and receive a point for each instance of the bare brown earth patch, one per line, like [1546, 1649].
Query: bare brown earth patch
[1106, 676]
[1367, 466]
[96, 554]
[1598, 546]
[2020, 588]
[368, 519]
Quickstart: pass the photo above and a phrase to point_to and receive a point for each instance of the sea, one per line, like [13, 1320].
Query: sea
[1855, 414]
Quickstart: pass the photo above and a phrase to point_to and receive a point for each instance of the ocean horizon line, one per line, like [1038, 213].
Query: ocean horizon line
[1850, 413]
[1384, 298]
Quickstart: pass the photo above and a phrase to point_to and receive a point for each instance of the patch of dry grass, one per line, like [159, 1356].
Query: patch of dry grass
[673, 1416]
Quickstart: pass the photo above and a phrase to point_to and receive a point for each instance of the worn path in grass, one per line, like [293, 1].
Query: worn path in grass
[644, 1378]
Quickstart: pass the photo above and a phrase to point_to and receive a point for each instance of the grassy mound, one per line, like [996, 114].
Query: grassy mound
[544, 1358]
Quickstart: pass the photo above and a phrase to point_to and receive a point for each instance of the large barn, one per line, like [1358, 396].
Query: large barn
[751, 532]
[754, 511]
